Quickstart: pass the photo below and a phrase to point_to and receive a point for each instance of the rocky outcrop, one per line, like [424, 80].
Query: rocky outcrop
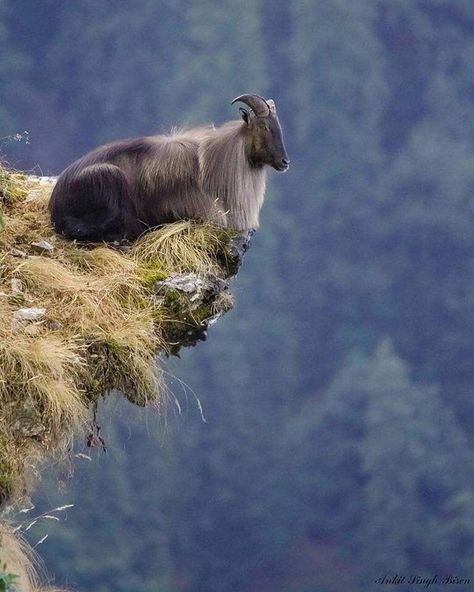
[78, 321]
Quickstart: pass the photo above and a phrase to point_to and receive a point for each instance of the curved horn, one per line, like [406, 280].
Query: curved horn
[258, 104]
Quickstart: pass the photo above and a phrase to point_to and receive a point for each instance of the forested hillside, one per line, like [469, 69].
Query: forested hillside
[337, 445]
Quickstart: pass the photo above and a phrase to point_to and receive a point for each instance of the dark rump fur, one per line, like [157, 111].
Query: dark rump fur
[98, 197]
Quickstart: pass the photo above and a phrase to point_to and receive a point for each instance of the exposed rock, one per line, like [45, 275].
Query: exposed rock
[18, 253]
[43, 247]
[201, 287]
[195, 302]
[17, 287]
[29, 314]
[28, 420]
[44, 181]
[239, 245]
[33, 195]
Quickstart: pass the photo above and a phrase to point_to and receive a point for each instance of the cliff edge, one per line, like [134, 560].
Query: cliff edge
[80, 320]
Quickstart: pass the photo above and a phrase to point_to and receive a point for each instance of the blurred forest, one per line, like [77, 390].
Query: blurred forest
[337, 445]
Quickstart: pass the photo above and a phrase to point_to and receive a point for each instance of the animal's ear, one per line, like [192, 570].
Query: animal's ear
[244, 114]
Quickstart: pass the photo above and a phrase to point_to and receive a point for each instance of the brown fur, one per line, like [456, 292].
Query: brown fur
[210, 174]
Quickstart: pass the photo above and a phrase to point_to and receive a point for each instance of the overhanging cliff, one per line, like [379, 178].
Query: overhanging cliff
[77, 321]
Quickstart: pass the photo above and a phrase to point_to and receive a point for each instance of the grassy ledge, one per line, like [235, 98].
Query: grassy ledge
[77, 321]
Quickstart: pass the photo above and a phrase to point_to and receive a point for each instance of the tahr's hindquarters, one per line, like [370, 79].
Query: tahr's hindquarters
[94, 204]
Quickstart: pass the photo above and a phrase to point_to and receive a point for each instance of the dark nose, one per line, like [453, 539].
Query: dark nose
[285, 161]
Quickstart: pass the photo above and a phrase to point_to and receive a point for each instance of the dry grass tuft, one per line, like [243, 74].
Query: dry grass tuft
[19, 559]
[13, 185]
[22, 561]
[182, 247]
[100, 327]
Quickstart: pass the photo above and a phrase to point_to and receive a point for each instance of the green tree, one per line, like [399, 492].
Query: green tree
[388, 476]
[106, 541]
[417, 491]
[337, 98]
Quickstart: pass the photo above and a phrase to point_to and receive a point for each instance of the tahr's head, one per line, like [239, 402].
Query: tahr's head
[263, 133]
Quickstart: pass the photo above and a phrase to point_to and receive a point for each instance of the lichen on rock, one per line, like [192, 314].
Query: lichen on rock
[193, 302]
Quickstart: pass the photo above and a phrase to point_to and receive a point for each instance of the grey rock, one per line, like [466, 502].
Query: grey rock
[239, 245]
[44, 181]
[211, 320]
[28, 422]
[16, 286]
[29, 314]
[33, 195]
[18, 253]
[200, 288]
[43, 247]
[204, 298]
[183, 282]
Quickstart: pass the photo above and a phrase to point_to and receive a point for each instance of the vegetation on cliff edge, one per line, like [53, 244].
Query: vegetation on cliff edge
[79, 320]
